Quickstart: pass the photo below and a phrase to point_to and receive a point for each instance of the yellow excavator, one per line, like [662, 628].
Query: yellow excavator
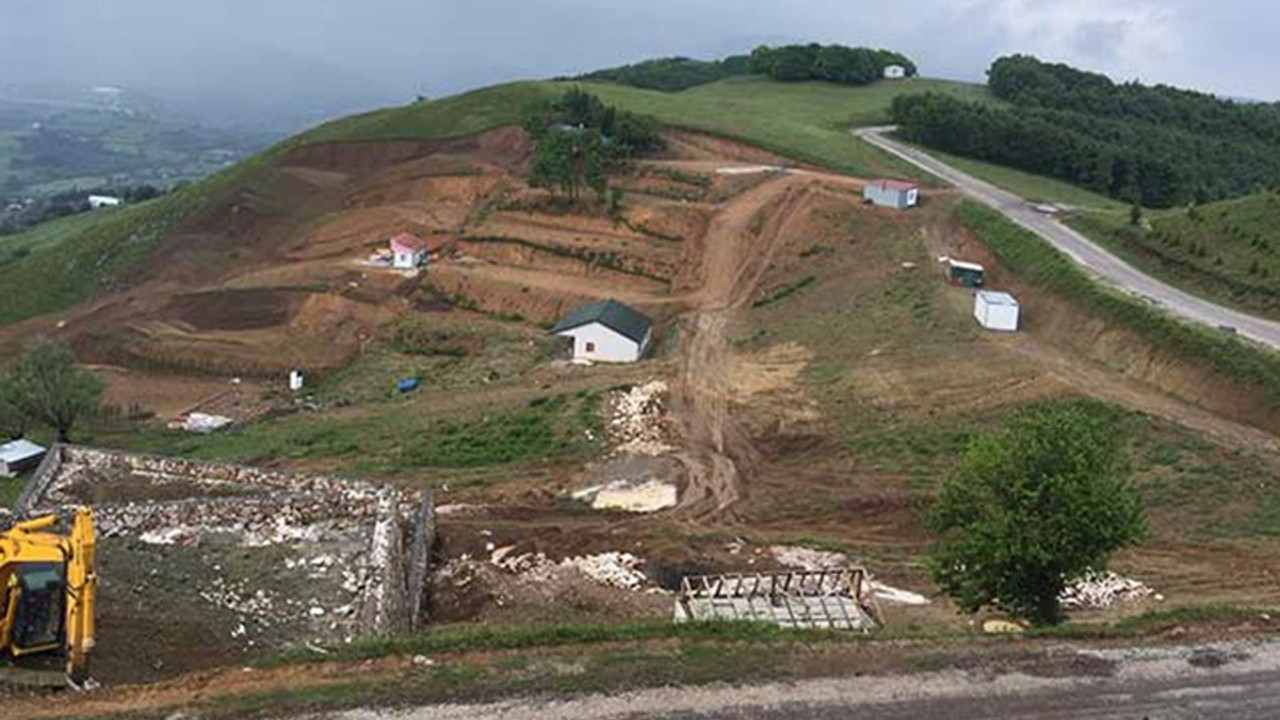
[48, 584]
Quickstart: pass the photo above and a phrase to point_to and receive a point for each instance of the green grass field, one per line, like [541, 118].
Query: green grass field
[805, 121]
[1228, 252]
[1035, 188]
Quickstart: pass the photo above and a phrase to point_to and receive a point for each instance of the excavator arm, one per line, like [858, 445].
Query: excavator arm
[82, 587]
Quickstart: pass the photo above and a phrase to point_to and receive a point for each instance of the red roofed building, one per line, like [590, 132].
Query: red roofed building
[897, 194]
[408, 251]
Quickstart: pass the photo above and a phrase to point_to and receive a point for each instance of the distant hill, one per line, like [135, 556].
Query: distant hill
[51, 145]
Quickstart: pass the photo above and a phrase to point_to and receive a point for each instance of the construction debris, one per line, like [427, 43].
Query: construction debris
[202, 423]
[822, 599]
[815, 560]
[613, 569]
[636, 423]
[1098, 591]
[644, 497]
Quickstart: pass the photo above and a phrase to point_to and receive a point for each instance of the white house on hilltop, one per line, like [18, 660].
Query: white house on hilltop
[894, 72]
[606, 331]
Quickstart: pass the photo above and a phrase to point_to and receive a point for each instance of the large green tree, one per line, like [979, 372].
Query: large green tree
[565, 160]
[1031, 507]
[48, 386]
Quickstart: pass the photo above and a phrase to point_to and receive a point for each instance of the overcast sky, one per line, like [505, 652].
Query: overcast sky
[331, 56]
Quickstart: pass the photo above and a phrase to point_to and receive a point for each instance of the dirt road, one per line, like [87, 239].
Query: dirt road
[1079, 248]
[1219, 681]
[737, 250]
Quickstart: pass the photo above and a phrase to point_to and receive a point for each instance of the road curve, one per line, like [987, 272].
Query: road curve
[1103, 264]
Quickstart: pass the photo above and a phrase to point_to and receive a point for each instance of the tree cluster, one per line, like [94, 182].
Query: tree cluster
[1135, 161]
[1031, 507]
[46, 386]
[832, 63]
[672, 74]
[577, 138]
[1158, 146]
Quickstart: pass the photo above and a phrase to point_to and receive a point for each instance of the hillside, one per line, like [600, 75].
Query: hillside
[1227, 251]
[813, 376]
[75, 260]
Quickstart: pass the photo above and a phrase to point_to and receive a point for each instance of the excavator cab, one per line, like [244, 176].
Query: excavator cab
[47, 592]
[38, 608]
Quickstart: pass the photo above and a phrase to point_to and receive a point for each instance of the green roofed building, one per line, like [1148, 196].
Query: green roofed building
[606, 331]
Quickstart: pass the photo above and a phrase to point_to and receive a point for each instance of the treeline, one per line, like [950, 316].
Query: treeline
[786, 63]
[1023, 80]
[671, 74]
[1157, 146]
[832, 63]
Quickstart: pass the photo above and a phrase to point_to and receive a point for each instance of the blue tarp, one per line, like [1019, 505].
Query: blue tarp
[407, 385]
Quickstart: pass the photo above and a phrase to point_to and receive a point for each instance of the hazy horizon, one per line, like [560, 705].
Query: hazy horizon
[290, 63]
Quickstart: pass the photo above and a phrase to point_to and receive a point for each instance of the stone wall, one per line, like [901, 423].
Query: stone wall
[263, 507]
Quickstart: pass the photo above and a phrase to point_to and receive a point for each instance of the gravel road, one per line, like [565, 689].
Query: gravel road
[1081, 249]
[1237, 681]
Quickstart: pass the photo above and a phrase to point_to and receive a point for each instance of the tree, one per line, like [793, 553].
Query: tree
[567, 159]
[1135, 214]
[1031, 507]
[47, 385]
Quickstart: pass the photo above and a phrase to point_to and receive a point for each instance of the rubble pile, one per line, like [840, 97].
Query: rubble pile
[636, 423]
[613, 569]
[1097, 591]
[258, 611]
[255, 522]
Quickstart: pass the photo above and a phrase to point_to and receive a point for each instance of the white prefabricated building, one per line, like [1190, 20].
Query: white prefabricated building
[996, 310]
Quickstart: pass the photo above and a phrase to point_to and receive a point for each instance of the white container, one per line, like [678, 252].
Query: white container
[996, 310]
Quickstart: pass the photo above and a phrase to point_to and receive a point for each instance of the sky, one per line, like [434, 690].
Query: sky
[297, 61]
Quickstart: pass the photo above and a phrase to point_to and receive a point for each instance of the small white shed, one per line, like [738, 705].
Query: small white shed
[101, 201]
[894, 72]
[606, 331]
[996, 310]
[898, 194]
[19, 456]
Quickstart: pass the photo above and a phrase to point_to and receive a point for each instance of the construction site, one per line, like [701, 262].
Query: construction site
[813, 378]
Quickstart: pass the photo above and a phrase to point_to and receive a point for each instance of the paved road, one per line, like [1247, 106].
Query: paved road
[1081, 249]
[1232, 681]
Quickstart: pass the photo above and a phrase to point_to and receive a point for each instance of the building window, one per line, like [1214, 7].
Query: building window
[591, 347]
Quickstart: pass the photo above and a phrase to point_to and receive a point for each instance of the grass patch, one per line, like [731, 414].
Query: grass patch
[784, 292]
[392, 440]
[1225, 251]
[806, 121]
[1035, 188]
[1037, 262]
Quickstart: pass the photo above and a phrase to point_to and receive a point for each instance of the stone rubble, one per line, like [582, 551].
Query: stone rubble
[1098, 591]
[612, 569]
[636, 422]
